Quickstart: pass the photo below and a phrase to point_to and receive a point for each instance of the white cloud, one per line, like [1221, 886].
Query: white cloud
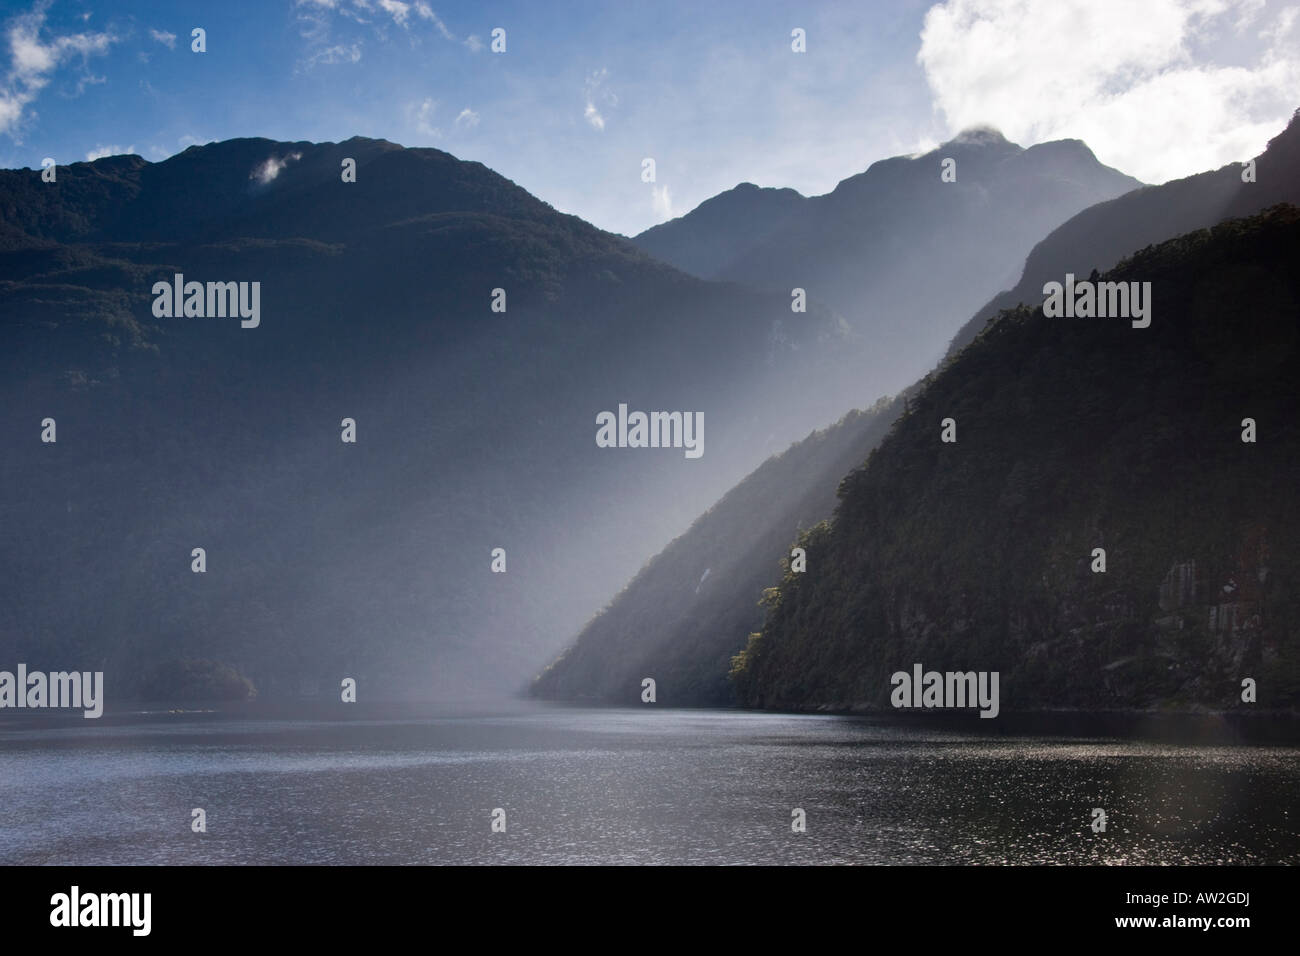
[339, 53]
[99, 152]
[425, 11]
[314, 18]
[397, 10]
[593, 90]
[316, 25]
[662, 201]
[269, 168]
[166, 39]
[423, 118]
[1134, 81]
[88, 79]
[1283, 26]
[467, 118]
[33, 58]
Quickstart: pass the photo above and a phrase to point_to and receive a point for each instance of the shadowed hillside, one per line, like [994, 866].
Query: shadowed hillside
[1075, 434]
[659, 609]
[475, 428]
[1101, 235]
[691, 608]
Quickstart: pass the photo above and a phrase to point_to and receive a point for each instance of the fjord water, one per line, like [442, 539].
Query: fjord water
[627, 787]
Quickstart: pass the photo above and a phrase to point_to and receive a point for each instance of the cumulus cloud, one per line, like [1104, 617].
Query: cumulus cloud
[166, 39]
[467, 118]
[35, 56]
[265, 171]
[99, 152]
[1137, 82]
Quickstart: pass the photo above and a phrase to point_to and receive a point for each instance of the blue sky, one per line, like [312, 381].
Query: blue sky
[712, 91]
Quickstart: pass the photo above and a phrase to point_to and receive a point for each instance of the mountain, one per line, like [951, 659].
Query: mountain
[705, 241]
[1101, 235]
[692, 607]
[897, 251]
[688, 644]
[475, 429]
[1075, 434]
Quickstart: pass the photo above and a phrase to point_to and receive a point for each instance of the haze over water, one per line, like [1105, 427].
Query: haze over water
[629, 786]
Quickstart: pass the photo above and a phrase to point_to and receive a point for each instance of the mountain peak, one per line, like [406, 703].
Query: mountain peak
[980, 135]
[750, 189]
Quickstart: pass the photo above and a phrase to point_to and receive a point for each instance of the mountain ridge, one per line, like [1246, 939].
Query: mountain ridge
[868, 249]
[1059, 460]
[1098, 237]
[697, 644]
[476, 427]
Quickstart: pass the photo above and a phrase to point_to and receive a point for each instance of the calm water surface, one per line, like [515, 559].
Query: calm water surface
[629, 786]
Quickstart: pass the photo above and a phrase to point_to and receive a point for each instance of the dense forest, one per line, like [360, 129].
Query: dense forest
[1076, 434]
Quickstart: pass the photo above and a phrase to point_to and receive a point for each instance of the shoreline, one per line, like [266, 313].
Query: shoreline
[1278, 727]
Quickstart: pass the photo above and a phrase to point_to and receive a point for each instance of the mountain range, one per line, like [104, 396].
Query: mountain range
[475, 428]
[1110, 524]
[747, 537]
[873, 248]
[472, 335]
